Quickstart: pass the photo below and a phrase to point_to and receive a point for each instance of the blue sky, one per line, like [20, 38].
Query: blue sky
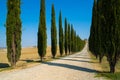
[77, 12]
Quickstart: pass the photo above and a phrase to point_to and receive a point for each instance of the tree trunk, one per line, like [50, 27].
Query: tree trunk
[41, 59]
[100, 59]
[66, 54]
[69, 52]
[14, 52]
[53, 57]
[96, 56]
[112, 67]
[60, 55]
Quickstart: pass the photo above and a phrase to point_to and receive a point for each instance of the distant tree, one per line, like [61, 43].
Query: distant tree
[13, 31]
[72, 38]
[75, 42]
[69, 38]
[61, 38]
[53, 33]
[66, 36]
[42, 35]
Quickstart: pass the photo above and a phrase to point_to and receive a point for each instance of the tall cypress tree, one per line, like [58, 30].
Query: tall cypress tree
[72, 38]
[75, 42]
[107, 31]
[66, 36]
[112, 35]
[100, 29]
[93, 31]
[42, 36]
[69, 38]
[13, 31]
[61, 40]
[53, 33]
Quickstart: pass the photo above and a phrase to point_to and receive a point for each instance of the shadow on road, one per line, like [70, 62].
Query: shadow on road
[81, 57]
[31, 61]
[79, 60]
[4, 65]
[28, 61]
[71, 67]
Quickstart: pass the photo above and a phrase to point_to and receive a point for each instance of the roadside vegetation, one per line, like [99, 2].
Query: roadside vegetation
[103, 68]
[104, 40]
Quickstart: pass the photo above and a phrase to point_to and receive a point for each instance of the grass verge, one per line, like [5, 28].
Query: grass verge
[104, 69]
[26, 63]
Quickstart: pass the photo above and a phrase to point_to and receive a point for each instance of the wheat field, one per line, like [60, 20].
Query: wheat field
[29, 57]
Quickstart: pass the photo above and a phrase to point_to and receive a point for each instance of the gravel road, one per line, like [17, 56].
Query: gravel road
[73, 67]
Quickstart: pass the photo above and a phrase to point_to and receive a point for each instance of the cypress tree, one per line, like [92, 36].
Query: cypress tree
[93, 31]
[53, 33]
[75, 42]
[69, 38]
[78, 43]
[42, 36]
[66, 36]
[112, 35]
[100, 29]
[13, 31]
[61, 40]
[107, 32]
[72, 38]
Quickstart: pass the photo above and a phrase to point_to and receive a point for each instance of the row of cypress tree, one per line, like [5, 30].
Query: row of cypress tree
[68, 41]
[104, 37]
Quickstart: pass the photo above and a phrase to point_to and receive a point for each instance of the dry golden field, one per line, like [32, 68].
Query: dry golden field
[29, 57]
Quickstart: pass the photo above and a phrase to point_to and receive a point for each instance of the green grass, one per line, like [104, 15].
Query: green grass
[109, 76]
[6, 69]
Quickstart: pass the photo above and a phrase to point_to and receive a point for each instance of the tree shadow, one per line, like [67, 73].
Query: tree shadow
[82, 57]
[79, 60]
[104, 72]
[72, 67]
[4, 65]
[31, 61]
[28, 61]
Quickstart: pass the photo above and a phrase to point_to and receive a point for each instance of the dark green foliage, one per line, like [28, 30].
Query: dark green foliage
[72, 38]
[42, 36]
[61, 39]
[53, 33]
[66, 37]
[110, 76]
[107, 31]
[76, 43]
[69, 38]
[95, 40]
[112, 36]
[100, 30]
[13, 31]
[79, 44]
[93, 32]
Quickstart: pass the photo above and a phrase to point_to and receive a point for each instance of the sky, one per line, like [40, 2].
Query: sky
[77, 12]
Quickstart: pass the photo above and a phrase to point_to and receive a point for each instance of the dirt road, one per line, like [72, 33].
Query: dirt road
[74, 67]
